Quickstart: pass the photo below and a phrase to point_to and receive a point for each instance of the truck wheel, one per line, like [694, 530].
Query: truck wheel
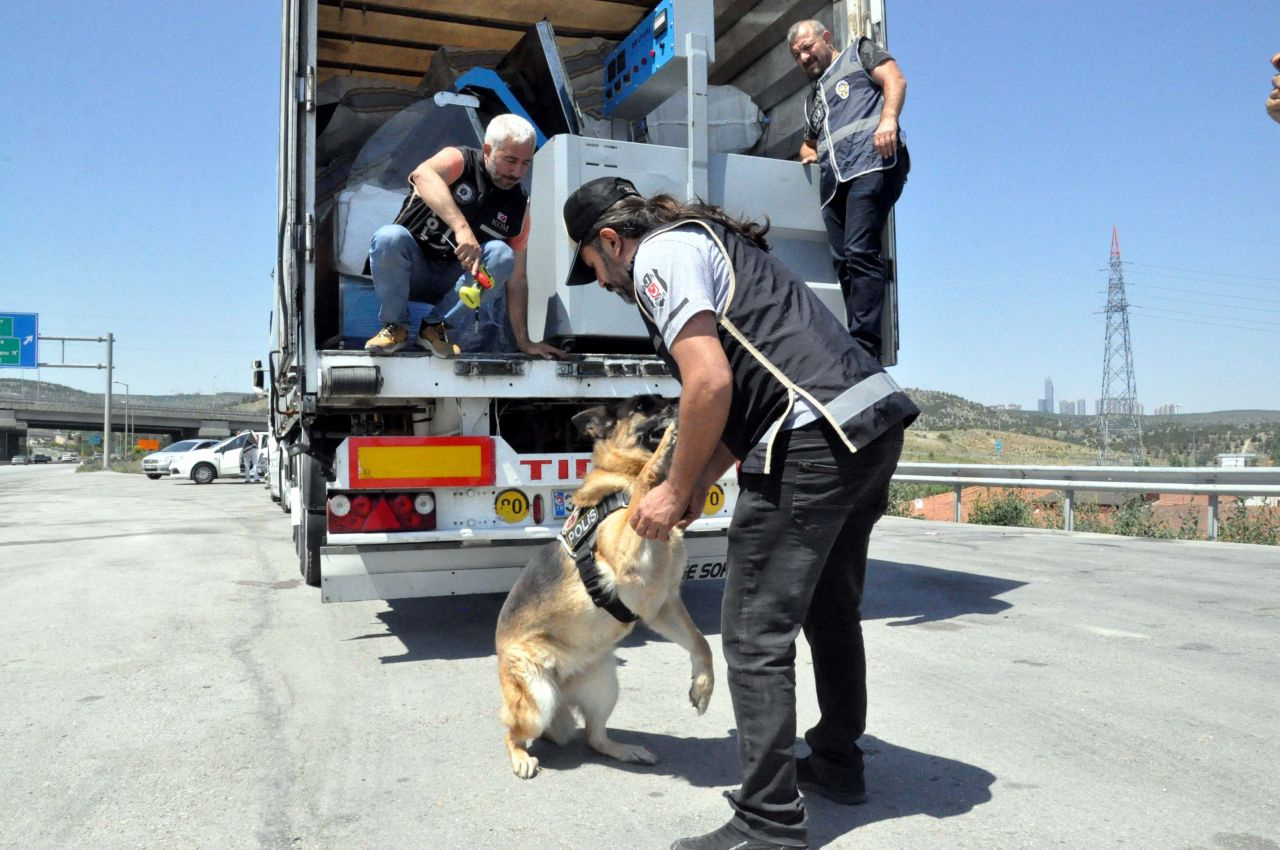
[276, 471]
[286, 503]
[310, 536]
[311, 525]
[153, 476]
[203, 474]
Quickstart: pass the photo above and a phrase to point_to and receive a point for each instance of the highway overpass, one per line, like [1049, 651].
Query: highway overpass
[18, 415]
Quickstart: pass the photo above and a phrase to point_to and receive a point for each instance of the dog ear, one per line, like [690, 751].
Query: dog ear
[594, 422]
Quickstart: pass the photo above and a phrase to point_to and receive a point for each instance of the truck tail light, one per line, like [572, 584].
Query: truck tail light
[381, 512]
[537, 509]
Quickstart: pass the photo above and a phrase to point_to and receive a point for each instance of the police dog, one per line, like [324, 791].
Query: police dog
[555, 646]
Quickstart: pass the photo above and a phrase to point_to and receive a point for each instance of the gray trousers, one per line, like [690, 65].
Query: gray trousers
[798, 559]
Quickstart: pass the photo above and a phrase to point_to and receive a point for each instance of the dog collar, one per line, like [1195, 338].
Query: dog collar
[578, 538]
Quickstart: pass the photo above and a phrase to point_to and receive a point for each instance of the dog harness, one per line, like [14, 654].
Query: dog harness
[578, 537]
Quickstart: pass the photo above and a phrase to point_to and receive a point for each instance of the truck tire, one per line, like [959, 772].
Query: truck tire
[279, 477]
[311, 523]
[310, 536]
[203, 473]
[154, 476]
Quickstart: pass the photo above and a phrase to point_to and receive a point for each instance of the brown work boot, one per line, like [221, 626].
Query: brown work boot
[434, 337]
[389, 340]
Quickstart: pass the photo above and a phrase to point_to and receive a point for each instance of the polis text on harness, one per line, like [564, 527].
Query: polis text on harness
[578, 538]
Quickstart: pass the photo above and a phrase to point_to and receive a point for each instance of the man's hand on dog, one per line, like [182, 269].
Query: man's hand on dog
[661, 509]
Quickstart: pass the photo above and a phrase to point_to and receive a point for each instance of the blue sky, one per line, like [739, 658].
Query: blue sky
[138, 163]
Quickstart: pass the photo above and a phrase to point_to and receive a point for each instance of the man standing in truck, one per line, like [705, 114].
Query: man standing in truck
[851, 131]
[770, 378]
[467, 215]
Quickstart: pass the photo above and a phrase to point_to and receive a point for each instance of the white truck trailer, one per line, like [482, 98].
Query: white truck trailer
[414, 475]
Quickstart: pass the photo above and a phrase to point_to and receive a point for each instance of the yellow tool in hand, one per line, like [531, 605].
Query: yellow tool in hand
[470, 295]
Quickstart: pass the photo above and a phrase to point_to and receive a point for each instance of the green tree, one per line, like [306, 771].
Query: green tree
[1087, 516]
[1136, 518]
[1005, 507]
[1240, 525]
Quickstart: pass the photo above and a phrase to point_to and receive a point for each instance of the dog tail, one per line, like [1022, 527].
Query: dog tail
[529, 695]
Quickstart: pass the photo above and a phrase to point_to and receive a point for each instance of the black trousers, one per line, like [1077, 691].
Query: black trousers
[798, 559]
[855, 219]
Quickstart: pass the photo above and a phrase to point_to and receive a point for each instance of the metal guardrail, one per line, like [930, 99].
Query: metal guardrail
[1211, 481]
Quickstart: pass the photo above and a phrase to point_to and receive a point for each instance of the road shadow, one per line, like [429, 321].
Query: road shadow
[912, 594]
[459, 627]
[445, 628]
[901, 782]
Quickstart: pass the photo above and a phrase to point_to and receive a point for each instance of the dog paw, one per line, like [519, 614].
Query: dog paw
[524, 765]
[700, 692]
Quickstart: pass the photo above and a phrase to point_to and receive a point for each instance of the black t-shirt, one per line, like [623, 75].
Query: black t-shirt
[870, 55]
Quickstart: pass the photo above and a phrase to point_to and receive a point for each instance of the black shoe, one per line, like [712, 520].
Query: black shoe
[729, 837]
[848, 793]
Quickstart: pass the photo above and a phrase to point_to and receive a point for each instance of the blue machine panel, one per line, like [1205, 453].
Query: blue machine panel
[649, 65]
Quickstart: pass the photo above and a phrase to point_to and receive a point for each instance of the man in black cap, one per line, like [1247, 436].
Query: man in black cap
[770, 378]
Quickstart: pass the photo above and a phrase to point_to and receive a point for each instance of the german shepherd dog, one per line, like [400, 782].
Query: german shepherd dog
[555, 647]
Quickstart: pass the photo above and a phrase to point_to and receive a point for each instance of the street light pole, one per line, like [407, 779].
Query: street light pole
[106, 404]
[128, 444]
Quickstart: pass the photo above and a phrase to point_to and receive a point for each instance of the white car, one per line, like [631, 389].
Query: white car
[156, 464]
[204, 466]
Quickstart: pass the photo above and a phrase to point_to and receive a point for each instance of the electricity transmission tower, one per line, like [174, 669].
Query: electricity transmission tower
[1119, 430]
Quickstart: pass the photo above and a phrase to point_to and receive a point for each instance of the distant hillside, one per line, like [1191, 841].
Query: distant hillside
[1193, 439]
[950, 428]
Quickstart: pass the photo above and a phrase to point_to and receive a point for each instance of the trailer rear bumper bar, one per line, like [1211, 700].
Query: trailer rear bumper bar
[451, 563]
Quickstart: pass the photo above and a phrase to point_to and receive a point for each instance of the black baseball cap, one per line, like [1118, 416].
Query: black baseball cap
[583, 209]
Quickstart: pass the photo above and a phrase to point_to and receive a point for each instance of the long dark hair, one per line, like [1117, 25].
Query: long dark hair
[636, 215]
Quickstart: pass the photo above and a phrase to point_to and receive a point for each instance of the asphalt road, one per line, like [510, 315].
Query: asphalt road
[166, 681]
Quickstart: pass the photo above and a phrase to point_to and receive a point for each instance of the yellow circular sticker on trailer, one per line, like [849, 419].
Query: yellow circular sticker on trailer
[715, 500]
[511, 506]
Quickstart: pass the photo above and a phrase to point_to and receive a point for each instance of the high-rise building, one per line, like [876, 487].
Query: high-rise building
[1118, 407]
[1045, 405]
[1081, 407]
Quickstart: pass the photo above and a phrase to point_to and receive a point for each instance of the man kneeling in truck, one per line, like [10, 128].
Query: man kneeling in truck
[433, 250]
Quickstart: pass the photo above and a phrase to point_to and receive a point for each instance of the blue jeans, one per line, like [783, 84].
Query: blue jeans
[798, 559]
[402, 273]
[854, 219]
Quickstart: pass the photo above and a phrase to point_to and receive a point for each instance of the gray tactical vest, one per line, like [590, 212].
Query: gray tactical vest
[846, 146]
[782, 344]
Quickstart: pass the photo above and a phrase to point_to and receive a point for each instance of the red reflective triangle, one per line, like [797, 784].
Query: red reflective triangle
[382, 518]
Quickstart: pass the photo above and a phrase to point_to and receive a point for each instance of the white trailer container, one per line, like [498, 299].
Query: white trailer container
[412, 475]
